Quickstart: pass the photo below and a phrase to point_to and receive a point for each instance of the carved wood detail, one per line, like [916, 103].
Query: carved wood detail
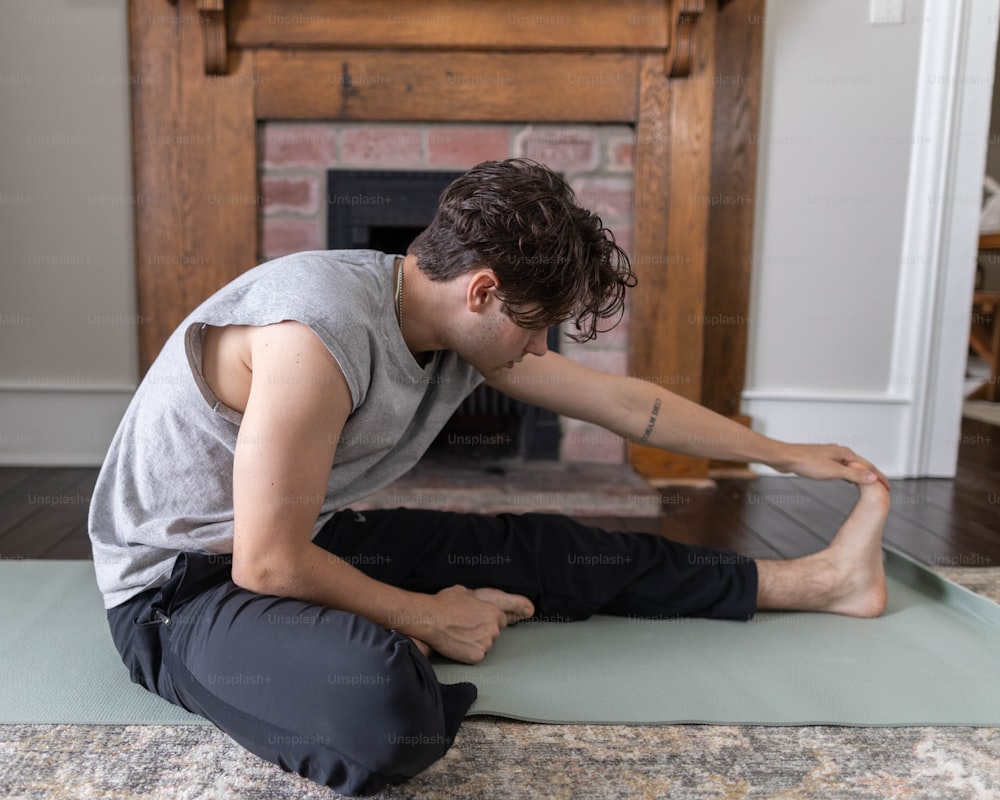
[684, 18]
[212, 19]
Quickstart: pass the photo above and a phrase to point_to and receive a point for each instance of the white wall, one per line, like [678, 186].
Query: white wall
[844, 283]
[68, 341]
[836, 121]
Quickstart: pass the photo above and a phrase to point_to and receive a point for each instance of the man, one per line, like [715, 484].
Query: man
[241, 586]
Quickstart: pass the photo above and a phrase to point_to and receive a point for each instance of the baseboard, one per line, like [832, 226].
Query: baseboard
[872, 424]
[57, 425]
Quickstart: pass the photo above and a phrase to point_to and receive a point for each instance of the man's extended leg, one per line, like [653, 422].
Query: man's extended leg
[568, 570]
[571, 571]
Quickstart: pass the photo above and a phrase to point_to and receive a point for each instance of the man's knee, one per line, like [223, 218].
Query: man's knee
[410, 709]
[398, 720]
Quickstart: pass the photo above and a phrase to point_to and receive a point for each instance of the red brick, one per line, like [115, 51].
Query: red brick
[623, 238]
[465, 147]
[614, 362]
[291, 195]
[298, 144]
[381, 146]
[614, 339]
[284, 236]
[561, 149]
[609, 198]
[621, 154]
[584, 442]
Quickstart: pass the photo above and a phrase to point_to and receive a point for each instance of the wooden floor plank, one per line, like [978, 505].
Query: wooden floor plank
[11, 477]
[710, 518]
[31, 503]
[75, 545]
[46, 512]
[979, 449]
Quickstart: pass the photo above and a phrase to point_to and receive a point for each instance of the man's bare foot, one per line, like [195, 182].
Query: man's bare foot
[848, 577]
[857, 550]
[515, 606]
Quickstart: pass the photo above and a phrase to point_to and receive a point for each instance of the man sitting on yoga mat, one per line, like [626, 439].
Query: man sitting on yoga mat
[239, 584]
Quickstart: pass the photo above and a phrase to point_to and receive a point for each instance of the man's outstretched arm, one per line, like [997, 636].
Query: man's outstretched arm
[650, 414]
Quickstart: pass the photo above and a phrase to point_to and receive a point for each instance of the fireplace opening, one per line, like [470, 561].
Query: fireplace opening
[385, 210]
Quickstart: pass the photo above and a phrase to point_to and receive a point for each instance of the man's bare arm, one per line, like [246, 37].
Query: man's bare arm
[298, 403]
[650, 414]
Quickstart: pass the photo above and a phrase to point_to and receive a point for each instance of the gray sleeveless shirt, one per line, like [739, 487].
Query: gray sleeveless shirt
[166, 483]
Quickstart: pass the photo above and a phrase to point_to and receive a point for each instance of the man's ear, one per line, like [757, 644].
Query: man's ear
[480, 289]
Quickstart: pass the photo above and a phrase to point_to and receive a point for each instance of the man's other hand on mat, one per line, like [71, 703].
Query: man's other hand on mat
[826, 462]
[462, 624]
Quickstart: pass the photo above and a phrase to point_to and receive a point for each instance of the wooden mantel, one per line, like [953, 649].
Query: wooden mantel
[684, 73]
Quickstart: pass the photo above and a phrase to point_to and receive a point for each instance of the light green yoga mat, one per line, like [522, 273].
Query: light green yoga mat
[932, 659]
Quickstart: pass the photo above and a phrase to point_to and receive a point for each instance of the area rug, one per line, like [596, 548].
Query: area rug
[496, 759]
[507, 760]
[779, 669]
[576, 489]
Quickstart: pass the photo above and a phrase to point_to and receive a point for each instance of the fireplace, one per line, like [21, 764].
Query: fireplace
[380, 209]
[683, 75]
[385, 210]
[327, 185]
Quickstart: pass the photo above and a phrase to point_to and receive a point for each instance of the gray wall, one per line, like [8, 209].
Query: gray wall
[67, 289]
[836, 133]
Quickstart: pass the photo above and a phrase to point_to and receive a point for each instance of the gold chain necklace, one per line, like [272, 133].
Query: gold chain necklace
[399, 296]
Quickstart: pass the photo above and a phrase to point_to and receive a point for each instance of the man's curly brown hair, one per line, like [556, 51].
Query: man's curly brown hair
[550, 255]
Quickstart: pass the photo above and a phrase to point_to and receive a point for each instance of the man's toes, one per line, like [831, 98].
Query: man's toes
[515, 606]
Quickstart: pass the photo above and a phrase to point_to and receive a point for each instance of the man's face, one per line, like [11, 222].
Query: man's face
[498, 342]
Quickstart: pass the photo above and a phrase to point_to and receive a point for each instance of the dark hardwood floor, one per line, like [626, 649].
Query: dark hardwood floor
[43, 512]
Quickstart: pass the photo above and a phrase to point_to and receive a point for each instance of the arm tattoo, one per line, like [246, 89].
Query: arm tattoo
[652, 421]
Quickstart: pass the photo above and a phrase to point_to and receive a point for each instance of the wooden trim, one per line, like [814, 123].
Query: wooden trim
[672, 172]
[414, 85]
[195, 168]
[684, 18]
[446, 25]
[736, 121]
[212, 14]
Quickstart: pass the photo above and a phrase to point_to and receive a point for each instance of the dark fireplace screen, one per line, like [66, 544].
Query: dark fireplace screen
[385, 210]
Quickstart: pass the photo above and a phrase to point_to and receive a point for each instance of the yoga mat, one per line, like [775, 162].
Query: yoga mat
[932, 659]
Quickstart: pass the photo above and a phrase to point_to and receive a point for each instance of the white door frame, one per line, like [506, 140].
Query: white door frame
[940, 239]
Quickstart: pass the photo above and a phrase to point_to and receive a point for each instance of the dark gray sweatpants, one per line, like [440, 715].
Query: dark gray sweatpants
[338, 699]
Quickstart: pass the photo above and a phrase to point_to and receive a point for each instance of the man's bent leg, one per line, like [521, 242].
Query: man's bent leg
[320, 692]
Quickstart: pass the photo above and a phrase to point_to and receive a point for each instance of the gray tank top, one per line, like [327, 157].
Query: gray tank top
[166, 482]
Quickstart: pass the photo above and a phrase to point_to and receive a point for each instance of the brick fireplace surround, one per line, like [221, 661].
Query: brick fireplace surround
[595, 159]
[653, 99]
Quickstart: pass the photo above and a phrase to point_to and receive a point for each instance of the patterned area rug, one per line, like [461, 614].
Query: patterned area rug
[500, 759]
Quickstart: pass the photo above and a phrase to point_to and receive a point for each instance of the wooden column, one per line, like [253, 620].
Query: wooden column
[194, 160]
[672, 181]
[739, 34]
